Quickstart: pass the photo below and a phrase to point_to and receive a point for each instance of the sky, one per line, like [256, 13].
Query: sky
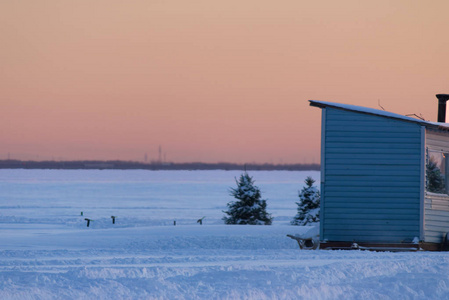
[206, 80]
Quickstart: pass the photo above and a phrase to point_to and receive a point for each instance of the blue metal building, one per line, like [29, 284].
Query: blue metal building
[383, 178]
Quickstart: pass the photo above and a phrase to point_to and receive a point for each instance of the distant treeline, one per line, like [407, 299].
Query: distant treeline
[132, 165]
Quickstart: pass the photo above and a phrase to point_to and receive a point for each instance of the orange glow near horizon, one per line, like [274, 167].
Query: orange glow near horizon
[209, 81]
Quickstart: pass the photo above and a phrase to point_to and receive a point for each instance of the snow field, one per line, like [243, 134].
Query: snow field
[47, 252]
[222, 274]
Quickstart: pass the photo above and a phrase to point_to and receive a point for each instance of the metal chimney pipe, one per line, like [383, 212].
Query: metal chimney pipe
[442, 99]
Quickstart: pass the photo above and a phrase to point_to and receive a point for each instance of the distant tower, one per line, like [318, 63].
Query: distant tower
[146, 157]
[160, 154]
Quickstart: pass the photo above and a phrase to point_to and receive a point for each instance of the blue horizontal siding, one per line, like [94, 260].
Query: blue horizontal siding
[371, 204]
[372, 178]
[367, 200]
[373, 194]
[385, 129]
[385, 227]
[386, 236]
[391, 162]
[374, 122]
[360, 184]
[372, 145]
[341, 165]
[371, 222]
[368, 217]
[394, 188]
[340, 133]
[371, 156]
[368, 139]
[374, 172]
[349, 210]
[395, 151]
[375, 231]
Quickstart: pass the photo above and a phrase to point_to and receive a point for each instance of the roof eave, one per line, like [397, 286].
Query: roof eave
[317, 103]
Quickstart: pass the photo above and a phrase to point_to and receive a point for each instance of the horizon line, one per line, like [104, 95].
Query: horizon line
[154, 165]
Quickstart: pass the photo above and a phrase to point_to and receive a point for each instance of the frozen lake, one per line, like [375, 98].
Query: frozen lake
[138, 197]
[47, 252]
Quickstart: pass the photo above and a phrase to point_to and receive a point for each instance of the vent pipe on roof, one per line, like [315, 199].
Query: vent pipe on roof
[442, 99]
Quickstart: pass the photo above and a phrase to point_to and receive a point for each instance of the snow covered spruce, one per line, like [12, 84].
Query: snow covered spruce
[250, 208]
[309, 205]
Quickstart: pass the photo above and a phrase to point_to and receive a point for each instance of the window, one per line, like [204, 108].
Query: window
[436, 172]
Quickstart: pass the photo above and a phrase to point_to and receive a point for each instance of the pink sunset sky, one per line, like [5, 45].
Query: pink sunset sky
[210, 81]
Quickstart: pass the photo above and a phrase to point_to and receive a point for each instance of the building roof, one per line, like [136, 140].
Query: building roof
[378, 112]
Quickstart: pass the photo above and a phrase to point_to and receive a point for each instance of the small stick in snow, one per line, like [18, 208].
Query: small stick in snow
[88, 221]
[113, 219]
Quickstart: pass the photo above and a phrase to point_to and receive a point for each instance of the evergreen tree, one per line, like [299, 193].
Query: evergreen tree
[250, 208]
[309, 206]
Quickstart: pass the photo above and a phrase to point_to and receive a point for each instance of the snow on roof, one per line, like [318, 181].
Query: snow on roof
[377, 112]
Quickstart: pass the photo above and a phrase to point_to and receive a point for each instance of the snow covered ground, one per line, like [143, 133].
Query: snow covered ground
[48, 252]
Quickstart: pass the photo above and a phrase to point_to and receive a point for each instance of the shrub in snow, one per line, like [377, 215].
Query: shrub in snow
[250, 208]
[309, 206]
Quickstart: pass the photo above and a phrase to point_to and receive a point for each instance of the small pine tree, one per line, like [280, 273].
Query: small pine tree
[309, 206]
[250, 208]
